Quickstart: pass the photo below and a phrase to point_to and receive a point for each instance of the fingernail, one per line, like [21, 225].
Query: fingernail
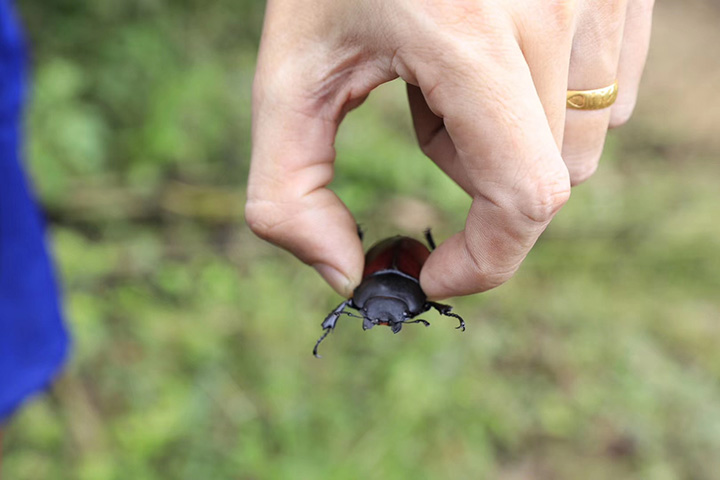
[333, 276]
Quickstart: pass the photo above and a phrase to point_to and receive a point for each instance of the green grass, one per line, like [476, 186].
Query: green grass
[193, 338]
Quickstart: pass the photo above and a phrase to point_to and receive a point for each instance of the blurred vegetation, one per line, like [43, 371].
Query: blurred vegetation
[192, 338]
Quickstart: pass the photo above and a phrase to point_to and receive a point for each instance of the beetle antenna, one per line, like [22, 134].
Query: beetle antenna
[429, 238]
[446, 310]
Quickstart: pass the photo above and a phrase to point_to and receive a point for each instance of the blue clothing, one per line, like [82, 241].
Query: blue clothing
[33, 341]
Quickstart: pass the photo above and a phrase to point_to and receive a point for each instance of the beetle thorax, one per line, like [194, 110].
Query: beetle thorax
[385, 310]
[390, 285]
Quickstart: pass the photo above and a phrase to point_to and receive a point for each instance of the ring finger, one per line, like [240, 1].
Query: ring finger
[593, 65]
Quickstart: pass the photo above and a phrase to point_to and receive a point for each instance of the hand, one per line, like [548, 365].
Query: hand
[487, 82]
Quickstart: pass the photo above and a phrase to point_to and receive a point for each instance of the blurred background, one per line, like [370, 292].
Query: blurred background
[192, 339]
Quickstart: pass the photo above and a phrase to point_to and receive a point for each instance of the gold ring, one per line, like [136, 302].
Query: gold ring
[592, 99]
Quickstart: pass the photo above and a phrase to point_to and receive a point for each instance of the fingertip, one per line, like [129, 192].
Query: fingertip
[451, 271]
[340, 282]
[321, 233]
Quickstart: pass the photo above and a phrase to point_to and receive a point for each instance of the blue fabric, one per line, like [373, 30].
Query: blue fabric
[33, 341]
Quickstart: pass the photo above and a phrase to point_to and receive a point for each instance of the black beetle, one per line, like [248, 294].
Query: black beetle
[390, 292]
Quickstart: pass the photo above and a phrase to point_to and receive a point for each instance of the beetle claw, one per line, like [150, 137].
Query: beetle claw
[446, 310]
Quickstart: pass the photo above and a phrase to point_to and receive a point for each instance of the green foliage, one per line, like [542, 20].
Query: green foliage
[193, 338]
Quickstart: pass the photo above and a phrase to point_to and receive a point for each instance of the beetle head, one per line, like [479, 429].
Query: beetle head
[384, 310]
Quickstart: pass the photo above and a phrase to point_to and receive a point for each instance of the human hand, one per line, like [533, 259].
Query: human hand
[487, 82]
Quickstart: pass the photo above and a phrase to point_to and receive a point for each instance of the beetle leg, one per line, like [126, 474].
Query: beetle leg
[367, 323]
[420, 320]
[332, 318]
[429, 238]
[325, 334]
[329, 323]
[446, 310]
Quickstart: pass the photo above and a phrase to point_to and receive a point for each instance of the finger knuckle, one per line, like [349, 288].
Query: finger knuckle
[542, 197]
[621, 113]
[425, 144]
[617, 10]
[582, 165]
[581, 172]
[262, 217]
[493, 278]
[489, 274]
[563, 13]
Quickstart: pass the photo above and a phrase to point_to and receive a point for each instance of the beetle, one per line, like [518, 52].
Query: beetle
[390, 293]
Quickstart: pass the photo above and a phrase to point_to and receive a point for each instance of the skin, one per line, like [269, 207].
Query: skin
[487, 82]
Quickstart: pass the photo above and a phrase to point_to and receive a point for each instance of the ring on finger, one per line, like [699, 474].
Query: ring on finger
[596, 99]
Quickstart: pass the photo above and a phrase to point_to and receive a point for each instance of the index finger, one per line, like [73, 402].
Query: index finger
[505, 145]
